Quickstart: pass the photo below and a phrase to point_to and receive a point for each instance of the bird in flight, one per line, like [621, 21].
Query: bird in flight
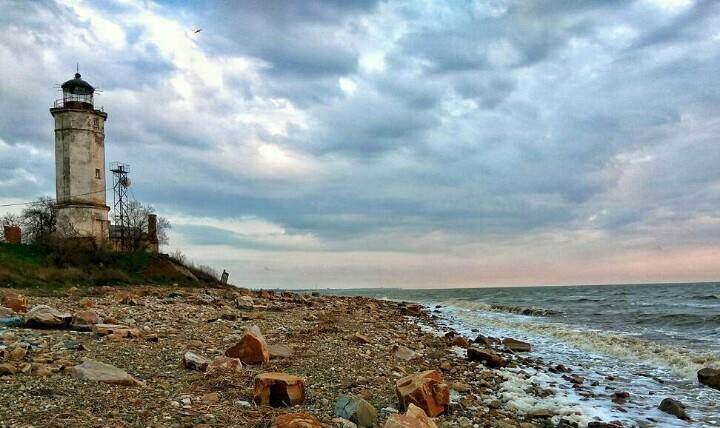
[197, 30]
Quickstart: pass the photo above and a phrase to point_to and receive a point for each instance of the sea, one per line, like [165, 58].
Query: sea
[648, 340]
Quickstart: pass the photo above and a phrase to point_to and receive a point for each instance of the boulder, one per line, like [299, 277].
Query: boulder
[486, 356]
[296, 420]
[710, 377]
[426, 390]
[43, 316]
[675, 408]
[360, 338]
[225, 365]
[194, 361]
[357, 410]
[516, 345]
[404, 353]
[279, 389]
[280, 350]
[415, 417]
[84, 320]
[16, 302]
[251, 349]
[101, 372]
[244, 302]
[620, 397]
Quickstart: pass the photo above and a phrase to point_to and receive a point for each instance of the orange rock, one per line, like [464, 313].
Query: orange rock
[225, 365]
[14, 301]
[516, 345]
[86, 318]
[296, 420]
[251, 349]
[279, 389]
[487, 356]
[415, 417]
[426, 390]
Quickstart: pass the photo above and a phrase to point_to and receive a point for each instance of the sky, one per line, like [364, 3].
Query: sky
[393, 144]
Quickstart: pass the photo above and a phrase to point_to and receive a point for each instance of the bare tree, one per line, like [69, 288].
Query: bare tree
[137, 218]
[40, 220]
[10, 219]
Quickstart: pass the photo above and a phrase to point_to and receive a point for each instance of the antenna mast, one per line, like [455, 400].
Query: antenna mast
[121, 182]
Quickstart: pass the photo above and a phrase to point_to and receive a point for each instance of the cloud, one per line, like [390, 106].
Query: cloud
[392, 143]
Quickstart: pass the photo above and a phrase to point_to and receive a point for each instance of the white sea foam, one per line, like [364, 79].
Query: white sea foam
[513, 393]
[650, 371]
[681, 361]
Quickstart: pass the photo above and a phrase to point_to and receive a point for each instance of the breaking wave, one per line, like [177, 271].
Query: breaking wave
[518, 310]
[681, 361]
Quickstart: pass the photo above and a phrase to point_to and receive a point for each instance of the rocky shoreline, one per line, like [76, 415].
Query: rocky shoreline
[154, 356]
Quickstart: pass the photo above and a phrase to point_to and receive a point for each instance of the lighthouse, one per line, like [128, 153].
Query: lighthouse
[80, 163]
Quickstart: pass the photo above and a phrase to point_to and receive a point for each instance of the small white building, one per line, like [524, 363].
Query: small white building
[80, 163]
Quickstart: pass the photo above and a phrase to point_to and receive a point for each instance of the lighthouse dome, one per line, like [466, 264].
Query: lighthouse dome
[77, 86]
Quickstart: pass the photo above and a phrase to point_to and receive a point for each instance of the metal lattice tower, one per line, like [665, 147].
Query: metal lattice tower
[121, 182]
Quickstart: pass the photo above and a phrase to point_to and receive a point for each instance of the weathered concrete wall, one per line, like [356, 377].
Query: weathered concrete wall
[80, 171]
[83, 221]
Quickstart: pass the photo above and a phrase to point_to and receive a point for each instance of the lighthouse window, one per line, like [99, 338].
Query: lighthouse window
[97, 173]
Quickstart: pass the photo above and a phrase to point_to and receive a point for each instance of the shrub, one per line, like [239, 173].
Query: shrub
[178, 257]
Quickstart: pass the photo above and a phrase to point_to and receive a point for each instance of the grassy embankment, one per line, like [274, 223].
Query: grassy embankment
[29, 266]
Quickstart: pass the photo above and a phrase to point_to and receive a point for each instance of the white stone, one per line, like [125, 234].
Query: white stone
[101, 372]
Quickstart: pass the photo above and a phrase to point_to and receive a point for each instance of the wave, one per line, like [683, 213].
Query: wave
[679, 360]
[707, 297]
[587, 299]
[510, 309]
[678, 320]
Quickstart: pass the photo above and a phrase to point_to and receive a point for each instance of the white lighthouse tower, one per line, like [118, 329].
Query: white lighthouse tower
[80, 163]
